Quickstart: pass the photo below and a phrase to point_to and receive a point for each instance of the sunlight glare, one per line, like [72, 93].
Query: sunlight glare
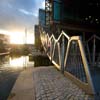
[30, 39]
[17, 38]
[19, 62]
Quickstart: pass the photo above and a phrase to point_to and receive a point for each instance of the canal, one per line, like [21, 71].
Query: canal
[10, 68]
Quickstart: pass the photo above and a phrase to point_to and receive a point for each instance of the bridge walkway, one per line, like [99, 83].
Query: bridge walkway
[45, 83]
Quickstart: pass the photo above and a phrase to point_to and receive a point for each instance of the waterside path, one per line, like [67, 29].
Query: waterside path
[45, 83]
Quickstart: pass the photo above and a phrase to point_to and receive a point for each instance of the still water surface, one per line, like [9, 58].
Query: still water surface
[15, 62]
[10, 68]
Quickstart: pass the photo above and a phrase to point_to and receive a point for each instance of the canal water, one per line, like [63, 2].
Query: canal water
[10, 68]
[15, 62]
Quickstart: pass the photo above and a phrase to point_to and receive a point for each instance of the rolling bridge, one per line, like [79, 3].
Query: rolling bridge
[68, 55]
[73, 43]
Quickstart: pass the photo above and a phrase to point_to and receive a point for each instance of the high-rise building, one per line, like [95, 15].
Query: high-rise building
[76, 17]
[75, 13]
[42, 17]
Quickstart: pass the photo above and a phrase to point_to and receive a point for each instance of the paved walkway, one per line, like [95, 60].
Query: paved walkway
[45, 83]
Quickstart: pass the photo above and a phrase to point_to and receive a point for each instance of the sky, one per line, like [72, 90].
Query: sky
[16, 15]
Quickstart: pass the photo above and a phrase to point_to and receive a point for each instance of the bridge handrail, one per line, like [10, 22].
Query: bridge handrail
[70, 57]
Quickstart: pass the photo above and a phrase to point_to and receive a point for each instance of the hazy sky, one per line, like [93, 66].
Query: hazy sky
[15, 15]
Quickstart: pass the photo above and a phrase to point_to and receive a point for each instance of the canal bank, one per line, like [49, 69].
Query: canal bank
[10, 68]
[23, 89]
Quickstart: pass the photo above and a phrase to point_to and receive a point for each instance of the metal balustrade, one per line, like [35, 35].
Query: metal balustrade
[93, 51]
[93, 55]
[74, 63]
[69, 55]
[52, 44]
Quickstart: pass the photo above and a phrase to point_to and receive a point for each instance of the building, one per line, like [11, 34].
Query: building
[5, 38]
[73, 10]
[4, 42]
[42, 20]
[74, 15]
[37, 37]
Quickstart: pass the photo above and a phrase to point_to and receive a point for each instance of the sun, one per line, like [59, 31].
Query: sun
[17, 38]
[20, 38]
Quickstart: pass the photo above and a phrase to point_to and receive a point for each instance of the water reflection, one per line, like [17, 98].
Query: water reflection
[10, 68]
[16, 62]
[19, 62]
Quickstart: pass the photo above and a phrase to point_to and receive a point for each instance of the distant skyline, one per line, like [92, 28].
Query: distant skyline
[16, 15]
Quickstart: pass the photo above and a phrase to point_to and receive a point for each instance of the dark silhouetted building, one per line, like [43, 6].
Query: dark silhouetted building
[42, 17]
[76, 17]
[37, 37]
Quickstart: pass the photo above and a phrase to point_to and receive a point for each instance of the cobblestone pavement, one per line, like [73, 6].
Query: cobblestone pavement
[50, 84]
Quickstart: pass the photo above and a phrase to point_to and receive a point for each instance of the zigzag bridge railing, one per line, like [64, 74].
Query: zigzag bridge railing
[69, 56]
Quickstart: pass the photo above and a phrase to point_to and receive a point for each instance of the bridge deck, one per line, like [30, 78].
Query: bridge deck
[45, 83]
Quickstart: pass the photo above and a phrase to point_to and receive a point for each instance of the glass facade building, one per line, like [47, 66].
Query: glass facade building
[41, 17]
[75, 11]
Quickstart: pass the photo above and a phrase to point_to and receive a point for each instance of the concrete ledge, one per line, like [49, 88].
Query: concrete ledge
[24, 86]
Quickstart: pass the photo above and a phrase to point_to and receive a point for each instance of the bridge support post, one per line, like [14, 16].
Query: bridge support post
[94, 47]
[62, 54]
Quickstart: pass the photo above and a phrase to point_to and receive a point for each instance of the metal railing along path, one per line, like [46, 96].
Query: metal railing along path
[69, 55]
